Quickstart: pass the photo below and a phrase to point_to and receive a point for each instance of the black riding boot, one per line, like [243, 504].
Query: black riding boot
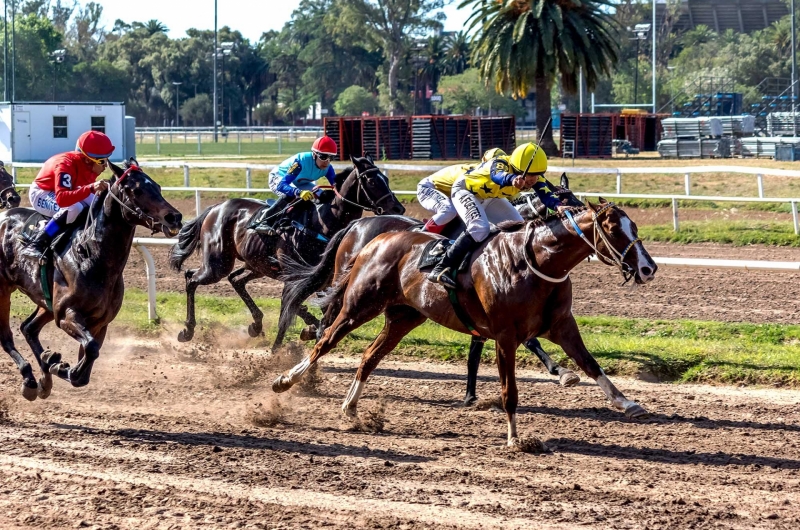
[271, 216]
[452, 259]
[38, 245]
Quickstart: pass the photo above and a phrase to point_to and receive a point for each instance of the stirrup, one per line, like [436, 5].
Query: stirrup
[442, 277]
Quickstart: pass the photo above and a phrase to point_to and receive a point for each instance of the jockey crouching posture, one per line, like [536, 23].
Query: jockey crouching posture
[433, 192]
[66, 184]
[481, 196]
[295, 177]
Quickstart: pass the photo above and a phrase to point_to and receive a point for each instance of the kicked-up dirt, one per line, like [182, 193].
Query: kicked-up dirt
[188, 436]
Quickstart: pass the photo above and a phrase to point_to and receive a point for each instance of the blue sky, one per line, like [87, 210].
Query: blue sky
[251, 17]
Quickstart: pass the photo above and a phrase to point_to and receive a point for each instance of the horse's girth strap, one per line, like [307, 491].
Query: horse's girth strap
[460, 313]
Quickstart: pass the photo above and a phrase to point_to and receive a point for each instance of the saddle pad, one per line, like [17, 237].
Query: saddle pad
[35, 223]
[257, 217]
[32, 226]
[433, 252]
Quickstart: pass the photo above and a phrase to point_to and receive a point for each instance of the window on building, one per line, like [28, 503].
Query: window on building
[60, 127]
[99, 124]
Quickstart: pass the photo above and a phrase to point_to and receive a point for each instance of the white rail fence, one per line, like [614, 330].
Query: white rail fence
[141, 244]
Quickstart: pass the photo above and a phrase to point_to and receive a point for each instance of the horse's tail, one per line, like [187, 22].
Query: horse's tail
[301, 281]
[188, 238]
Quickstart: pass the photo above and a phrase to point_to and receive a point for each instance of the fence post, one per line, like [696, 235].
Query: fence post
[279, 143]
[619, 182]
[197, 206]
[760, 179]
[186, 175]
[794, 218]
[150, 272]
[199, 149]
[675, 226]
[239, 141]
[249, 177]
[158, 144]
[687, 183]
[14, 174]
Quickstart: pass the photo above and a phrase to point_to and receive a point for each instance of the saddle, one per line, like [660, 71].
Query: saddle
[36, 222]
[257, 217]
[434, 251]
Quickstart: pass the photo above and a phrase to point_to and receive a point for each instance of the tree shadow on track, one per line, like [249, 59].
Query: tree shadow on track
[242, 441]
[607, 415]
[664, 456]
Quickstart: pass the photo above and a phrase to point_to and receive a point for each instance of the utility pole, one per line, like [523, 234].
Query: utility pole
[794, 74]
[215, 71]
[5, 50]
[13, 51]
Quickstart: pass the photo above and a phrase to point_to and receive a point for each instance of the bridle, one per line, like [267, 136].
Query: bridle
[360, 176]
[614, 257]
[4, 203]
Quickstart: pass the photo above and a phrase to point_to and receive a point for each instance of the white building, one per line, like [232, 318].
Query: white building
[33, 132]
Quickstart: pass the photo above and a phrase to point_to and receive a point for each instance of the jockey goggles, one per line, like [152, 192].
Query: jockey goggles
[101, 161]
[323, 156]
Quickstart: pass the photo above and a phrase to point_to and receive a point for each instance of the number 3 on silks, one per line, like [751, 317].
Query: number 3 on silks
[66, 181]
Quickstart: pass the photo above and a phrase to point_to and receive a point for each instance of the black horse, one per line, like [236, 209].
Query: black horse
[9, 198]
[221, 235]
[302, 281]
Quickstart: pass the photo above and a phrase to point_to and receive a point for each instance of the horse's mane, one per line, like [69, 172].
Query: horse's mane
[341, 176]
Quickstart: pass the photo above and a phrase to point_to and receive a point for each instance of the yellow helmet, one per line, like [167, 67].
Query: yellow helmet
[528, 153]
[494, 152]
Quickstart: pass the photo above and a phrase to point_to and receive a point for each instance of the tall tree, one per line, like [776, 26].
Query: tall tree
[392, 25]
[534, 43]
[456, 58]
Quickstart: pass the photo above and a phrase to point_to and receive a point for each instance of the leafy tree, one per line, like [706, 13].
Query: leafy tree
[197, 110]
[456, 58]
[465, 93]
[354, 100]
[534, 43]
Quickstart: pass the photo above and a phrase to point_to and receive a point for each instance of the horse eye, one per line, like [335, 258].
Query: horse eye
[137, 192]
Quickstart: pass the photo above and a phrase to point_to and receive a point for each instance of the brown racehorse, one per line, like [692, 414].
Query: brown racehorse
[517, 287]
[221, 236]
[9, 198]
[86, 283]
[302, 281]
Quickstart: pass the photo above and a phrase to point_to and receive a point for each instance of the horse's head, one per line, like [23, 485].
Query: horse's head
[9, 198]
[368, 188]
[617, 239]
[141, 200]
[530, 207]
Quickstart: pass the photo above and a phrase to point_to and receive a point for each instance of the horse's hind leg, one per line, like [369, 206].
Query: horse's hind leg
[506, 366]
[239, 279]
[213, 269]
[29, 385]
[400, 320]
[75, 326]
[565, 333]
[473, 363]
[30, 330]
[566, 377]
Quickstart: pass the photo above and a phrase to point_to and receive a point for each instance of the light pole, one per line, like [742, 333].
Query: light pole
[5, 50]
[224, 49]
[177, 106]
[57, 57]
[215, 71]
[640, 31]
[794, 74]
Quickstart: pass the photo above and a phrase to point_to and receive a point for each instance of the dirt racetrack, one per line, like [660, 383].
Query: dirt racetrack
[164, 437]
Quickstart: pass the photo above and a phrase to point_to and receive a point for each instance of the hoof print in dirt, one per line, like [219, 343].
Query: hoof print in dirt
[528, 445]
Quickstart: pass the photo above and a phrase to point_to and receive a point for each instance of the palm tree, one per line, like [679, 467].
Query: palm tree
[457, 55]
[153, 26]
[524, 43]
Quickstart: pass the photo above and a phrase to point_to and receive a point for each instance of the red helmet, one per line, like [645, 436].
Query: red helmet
[325, 145]
[95, 144]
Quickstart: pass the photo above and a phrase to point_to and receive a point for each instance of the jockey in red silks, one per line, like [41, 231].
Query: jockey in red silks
[67, 184]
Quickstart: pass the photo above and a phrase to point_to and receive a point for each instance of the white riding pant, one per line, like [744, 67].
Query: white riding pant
[44, 202]
[274, 180]
[436, 202]
[479, 214]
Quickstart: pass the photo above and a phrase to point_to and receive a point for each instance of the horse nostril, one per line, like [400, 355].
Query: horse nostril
[171, 218]
[400, 209]
[646, 272]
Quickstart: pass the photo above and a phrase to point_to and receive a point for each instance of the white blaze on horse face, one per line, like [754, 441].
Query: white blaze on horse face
[353, 395]
[642, 263]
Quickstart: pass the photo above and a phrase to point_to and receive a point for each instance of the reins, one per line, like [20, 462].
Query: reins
[374, 203]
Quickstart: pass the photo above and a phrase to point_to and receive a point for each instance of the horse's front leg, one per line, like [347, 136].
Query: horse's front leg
[239, 279]
[506, 347]
[30, 330]
[473, 363]
[566, 377]
[74, 324]
[565, 333]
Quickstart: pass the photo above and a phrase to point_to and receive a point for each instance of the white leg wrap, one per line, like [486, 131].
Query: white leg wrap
[351, 401]
[615, 396]
[512, 428]
[296, 373]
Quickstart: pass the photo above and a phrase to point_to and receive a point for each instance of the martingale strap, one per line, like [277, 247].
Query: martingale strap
[459, 310]
[48, 297]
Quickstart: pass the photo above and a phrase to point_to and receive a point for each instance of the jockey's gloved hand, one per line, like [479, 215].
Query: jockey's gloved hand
[306, 195]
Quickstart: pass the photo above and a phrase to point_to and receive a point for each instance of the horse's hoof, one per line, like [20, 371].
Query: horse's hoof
[50, 358]
[30, 393]
[45, 386]
[309, 332]
[527, 445]
[281, 384]
[470, 400]
[351, 413]
[636, 412]
[254, 330]
[185, 335]
[60, 370]
[569, 379]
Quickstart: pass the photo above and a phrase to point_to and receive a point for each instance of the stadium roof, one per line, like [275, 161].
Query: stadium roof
[739, 15]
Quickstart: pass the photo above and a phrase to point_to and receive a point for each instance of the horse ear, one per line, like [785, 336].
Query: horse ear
[369, 157]
[131, 162]
[603, 201]
[564, 181]
[115, 169]
[592, 206]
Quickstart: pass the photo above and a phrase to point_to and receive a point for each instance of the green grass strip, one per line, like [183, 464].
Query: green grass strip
[668, 350]
[737, 233]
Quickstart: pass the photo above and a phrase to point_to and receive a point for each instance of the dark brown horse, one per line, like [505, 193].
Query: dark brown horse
[221, 236]
[517, 287]
[85, 282]
[9, 198]
[302, 281]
